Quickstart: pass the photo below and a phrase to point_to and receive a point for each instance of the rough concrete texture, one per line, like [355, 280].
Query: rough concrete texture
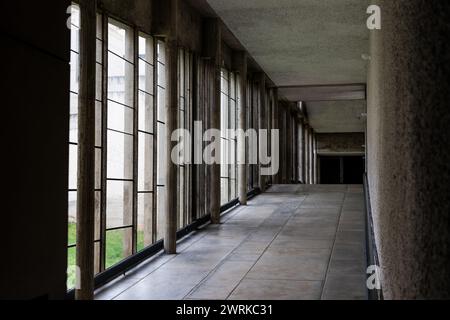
[190, 35]
[340, 142]
[408, 139]
[337, 116]
[138, 12]
[305, 42]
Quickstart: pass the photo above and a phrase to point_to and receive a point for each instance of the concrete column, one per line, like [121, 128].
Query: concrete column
[295, 145]
[316, 163]
[306, 155]
[276, 125]
[311, 156]
[213, 49]
[288, 144]
[170, 29]
[86, 155]
[262, 123]
[315, 158]
[171, 125]
[301, 151]
[240, 64]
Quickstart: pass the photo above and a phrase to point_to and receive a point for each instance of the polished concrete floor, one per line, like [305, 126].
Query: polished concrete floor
[293, 242]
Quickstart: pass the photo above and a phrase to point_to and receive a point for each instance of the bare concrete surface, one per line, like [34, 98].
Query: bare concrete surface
[295, 242]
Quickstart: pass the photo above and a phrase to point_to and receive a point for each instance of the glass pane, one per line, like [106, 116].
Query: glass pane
[145, 77]
[120, 39]
[145, 112]
[73, 166]
[75, 38]
[181, 196]
[98, 168]
[96, 257]
[223, 191]
[98, 124]
[71, 269]
[98, 82]
[119, 204]
[120, 80]
[118, 246]
[72, 222]
[160, 212]
[145, 165]
[146, 48]
[161, 104]
[145, 220]
[120, 156]
[161, 152]
[232, 123]
[232, 86]
[74, 71]
[181, 104]
[99, 27]
[181, 77]
[161, 76]
[232, 159]
[223, 154]
[73, 133]
[224, 83]
[232, 189]
[98, 202]
[120, 117]
[161, 51]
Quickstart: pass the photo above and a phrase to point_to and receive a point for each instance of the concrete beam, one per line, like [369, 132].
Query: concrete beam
[343, 92]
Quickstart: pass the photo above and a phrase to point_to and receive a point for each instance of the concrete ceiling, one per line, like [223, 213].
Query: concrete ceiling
[302, 44]
[337, 116]
[324, 93]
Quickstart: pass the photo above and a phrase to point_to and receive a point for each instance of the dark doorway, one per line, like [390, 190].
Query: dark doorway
[353, 170]
[341, 170]
[330, 170]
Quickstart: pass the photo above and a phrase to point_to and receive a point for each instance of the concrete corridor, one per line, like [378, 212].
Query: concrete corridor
[293, 242]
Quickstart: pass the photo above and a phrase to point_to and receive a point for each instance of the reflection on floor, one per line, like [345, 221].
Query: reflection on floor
[293, 242]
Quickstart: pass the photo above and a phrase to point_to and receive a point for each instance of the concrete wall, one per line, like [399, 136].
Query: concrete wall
[35, 128]
[140, 13]
[191, 28]
[409, 154]
[340, 142]
[137, 12]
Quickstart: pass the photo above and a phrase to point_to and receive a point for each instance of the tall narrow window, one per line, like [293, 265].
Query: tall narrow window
[73, 144]
[228, 114]
[161, 142]
[120, 137]
[184, 122]
[146, 129]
